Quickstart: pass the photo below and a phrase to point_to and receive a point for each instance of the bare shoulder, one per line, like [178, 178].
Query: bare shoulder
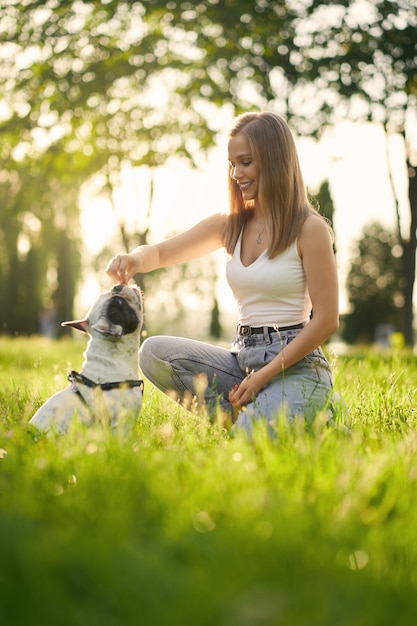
[315, 232]
[213, 226]
[217, 221]
[317, 226]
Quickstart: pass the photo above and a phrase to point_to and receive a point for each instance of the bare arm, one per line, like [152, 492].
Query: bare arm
[204, 237]
[316, 251]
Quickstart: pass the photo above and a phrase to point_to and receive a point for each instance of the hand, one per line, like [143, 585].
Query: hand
[246, 392]
[122, 267]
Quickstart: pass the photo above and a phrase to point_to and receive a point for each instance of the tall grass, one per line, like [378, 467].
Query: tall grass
[182, 523]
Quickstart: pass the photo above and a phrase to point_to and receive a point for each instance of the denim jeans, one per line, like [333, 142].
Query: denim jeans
[173, 364]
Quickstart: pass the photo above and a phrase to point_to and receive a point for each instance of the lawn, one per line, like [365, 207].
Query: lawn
[182, 523]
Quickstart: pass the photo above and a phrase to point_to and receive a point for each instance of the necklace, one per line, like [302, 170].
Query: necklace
[259, 231]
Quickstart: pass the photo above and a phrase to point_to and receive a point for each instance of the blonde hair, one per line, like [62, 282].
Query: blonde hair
[282, 195]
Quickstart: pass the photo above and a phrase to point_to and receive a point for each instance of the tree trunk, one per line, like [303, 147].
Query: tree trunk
[409, 258]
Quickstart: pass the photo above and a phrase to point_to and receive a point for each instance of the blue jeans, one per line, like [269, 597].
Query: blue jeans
[173, 364]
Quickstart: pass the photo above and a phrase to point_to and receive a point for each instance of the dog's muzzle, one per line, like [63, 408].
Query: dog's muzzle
[120, 312]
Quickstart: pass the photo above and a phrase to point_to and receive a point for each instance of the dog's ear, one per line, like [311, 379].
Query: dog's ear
[81, 325]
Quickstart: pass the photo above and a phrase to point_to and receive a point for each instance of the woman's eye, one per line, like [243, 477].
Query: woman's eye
[244, 163]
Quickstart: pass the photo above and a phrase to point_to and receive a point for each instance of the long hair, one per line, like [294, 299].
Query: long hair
[282, 195]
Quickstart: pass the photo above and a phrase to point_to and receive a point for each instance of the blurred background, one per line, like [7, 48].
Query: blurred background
[114, 119]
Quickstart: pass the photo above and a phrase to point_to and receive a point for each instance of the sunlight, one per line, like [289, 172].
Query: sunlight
[352, 157]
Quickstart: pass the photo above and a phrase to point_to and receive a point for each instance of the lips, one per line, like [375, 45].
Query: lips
[245, 186]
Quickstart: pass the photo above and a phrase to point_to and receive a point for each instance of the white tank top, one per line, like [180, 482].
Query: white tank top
[269, 291]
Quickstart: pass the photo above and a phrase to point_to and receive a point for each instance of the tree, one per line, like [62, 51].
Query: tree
[135, 81]
[365, 63]
[78, 100]
[325, 203]
[119, 81]
[374, 285]
[104, 83]
[319, 63]
[41, 247]
[215, 324]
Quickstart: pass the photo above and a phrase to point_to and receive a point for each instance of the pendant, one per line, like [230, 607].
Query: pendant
[259, 239]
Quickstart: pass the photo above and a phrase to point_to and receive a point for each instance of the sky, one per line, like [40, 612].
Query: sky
[353, 157]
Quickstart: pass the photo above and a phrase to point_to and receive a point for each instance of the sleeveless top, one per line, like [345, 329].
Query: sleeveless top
[269, 292]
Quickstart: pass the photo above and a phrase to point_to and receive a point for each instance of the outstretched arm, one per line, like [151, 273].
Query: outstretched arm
[204, 237]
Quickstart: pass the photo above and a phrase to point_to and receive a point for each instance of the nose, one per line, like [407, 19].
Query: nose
[117, 288]
[234, 173]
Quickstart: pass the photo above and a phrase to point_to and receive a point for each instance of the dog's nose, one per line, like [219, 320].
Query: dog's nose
[117, 288]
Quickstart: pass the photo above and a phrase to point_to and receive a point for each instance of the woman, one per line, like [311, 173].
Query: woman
[281, 267]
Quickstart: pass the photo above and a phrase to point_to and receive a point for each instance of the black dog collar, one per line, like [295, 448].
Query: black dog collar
[75, 377]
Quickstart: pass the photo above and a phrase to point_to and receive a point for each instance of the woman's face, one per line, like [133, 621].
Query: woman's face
[243, 168]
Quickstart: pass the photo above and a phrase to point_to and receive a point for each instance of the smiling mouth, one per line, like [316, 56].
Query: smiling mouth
[244, 186]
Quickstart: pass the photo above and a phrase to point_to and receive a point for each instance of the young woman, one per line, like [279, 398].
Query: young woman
[282, 271]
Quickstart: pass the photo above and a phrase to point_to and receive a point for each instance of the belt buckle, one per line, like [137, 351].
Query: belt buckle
[245, 331]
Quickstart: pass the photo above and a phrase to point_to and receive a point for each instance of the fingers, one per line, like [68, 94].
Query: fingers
[233, 393]
[240, 395]
[236, 396]
[246, 392]
[120, 268]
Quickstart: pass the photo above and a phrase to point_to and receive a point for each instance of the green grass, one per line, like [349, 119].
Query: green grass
[183, 524]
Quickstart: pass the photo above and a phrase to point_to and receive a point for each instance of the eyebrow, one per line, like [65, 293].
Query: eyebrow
[243, 155]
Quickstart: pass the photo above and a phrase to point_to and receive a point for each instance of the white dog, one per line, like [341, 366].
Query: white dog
[108, 388]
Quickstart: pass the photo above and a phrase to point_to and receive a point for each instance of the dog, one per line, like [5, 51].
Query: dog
[108, 389]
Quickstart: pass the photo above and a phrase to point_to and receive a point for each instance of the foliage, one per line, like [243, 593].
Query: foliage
[39, 242]
[215, 324]
[89, 85]
[374, 285]
[367, 56]
[183, 523]
[82, 98]
[363, 58]
[324, 201]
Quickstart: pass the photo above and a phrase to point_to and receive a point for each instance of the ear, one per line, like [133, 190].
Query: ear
[81, 325]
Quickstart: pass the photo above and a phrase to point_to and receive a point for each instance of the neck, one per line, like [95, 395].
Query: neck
[108, 361]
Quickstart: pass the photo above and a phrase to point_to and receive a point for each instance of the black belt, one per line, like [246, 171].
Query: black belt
[250, 330]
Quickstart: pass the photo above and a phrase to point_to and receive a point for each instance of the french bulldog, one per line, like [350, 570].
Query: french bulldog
[107, 389]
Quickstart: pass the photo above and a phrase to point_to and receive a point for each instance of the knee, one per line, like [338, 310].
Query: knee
[155, 362]
[148, 353]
